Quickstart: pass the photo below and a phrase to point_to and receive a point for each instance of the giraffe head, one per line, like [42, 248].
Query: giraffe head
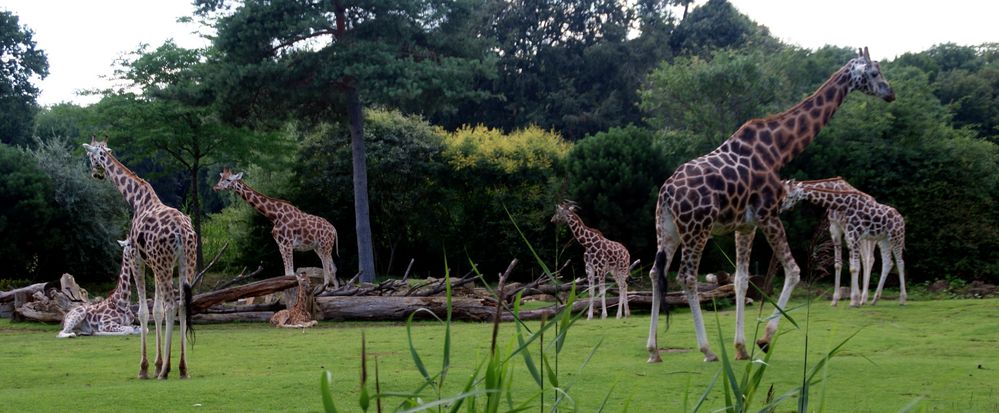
[865, 76]
[563, 212]
[794, 192]
[98, 153]
[227, 180]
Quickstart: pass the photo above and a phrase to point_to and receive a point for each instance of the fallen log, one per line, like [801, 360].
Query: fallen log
[263, 287]
[6, 296]
[246, 316]
[350, 308]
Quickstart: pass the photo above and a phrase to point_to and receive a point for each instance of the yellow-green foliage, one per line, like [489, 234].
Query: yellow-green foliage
[532, 147]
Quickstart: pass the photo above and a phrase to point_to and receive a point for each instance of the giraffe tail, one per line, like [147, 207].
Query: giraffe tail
[662, 283]
[185, 288]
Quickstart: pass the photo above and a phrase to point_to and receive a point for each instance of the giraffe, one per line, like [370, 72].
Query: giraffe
[293, 230]
[162, 236]
[736, 188]
[864, 219]
[837, 225]
[298, 316]
[601, 256]
[111, 316]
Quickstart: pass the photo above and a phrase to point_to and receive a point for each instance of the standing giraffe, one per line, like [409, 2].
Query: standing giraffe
[837, 225]
[601, 256]
[111, 316]
[299, 315]
[293, 230]
[162, 236]
[736, 187]
[864, 219]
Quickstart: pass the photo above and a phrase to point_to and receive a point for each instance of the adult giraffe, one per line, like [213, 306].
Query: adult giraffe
[163, 236]
[737, 188]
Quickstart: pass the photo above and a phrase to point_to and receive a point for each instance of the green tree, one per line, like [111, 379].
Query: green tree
[87, 215]
[614, 177]
[25, 214]
[22, 61]
[172, 120]
[64, 121]
[489, 173]
[325, 60]
[405, 166]
[717, 25]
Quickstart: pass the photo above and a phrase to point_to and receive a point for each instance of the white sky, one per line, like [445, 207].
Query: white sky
[83, 38]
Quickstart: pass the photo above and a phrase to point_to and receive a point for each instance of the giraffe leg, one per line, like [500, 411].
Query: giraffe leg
[329, 269]
[885, 269]
[837, 238]
[72, 319]
[621, 278]
[690, 257]
[773, 229]
[591, 280]
[170, 310]
[140, 288]
[113, 328]
[158, 322]
[667, 245]
[603, 295]
[743, 248]
[287, 257]
[867, 259]
[854, 246]
[900, 263]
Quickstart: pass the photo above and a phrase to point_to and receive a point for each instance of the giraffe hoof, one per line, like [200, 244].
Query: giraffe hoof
[740, 353]
[654, 357]
[710, 357]
[143, 375]
[763, 344]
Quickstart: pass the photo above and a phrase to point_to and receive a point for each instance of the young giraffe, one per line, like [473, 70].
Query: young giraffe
[736, 187]
[837, 225]
[298, 316]
[293, 230]
[162, 236]
[865, 219]
[601, 256]
[111, 316]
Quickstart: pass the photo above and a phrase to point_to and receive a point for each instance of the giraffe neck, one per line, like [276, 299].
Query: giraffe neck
[121, 295]
[137, 192]
[785, 135]
[264, 204]
[585, 235]
[833, 199]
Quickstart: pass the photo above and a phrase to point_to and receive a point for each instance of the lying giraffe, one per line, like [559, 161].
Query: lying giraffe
[111, 316]
[864, 219]
[298, 316]
[601, 256]
[737, 188]
[293, 230]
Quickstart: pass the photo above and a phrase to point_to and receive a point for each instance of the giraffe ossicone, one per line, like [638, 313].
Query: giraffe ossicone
[737, 188]
[601, 256]
[293, 229]
[111, 316]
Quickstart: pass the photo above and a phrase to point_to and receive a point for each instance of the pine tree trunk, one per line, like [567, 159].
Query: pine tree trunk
[365, 253]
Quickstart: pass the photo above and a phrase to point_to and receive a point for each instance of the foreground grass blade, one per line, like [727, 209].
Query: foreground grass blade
[325, 385]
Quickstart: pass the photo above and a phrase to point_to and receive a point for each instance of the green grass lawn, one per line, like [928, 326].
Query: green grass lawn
[944, 353]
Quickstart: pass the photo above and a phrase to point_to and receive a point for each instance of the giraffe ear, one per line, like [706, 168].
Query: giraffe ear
[238, 176]
[90, 148]
[123, 243]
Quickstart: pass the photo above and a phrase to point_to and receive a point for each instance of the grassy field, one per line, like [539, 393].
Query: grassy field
[943, 355]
